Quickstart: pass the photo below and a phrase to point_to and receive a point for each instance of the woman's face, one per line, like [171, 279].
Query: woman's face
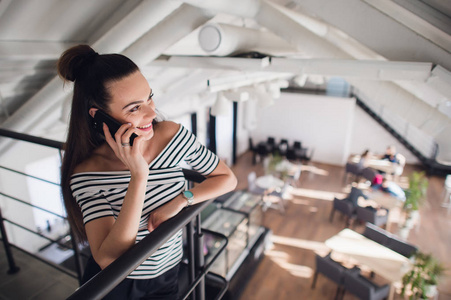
[131, 102]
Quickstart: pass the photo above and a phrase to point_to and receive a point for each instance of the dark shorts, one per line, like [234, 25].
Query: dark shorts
[163, 287]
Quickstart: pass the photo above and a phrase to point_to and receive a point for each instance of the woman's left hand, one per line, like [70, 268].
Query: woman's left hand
[165, 212]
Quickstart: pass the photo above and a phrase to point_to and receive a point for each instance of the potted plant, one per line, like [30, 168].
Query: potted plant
[415, 196]
[421, 281]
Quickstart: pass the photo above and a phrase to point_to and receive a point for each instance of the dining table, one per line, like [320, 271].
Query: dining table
[269, 182]
[380, 165]
[383, 261]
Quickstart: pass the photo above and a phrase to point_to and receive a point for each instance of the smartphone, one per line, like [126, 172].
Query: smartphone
[113, 125]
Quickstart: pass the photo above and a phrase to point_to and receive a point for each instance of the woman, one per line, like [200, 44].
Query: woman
[116, 193]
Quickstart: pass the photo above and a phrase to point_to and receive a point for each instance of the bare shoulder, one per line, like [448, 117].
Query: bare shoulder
[167, 129]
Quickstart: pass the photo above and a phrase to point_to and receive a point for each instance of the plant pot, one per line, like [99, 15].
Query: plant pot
[411, 219]
[430, 290]
[404, 232]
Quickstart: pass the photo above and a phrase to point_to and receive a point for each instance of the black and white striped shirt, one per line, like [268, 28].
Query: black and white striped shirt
[100, 194]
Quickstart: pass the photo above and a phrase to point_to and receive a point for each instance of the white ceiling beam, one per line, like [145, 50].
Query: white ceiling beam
[414, 22]
[377, 70]
[4, 5]
[374, 70]
[166, 33]
[441, 81]
[242, 80]
[15, 50]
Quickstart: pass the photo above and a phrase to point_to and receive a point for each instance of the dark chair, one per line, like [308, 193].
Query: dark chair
[368, 174]
[291, 154]
[262, 150]
[364, 288]
[283, 147]
[376, 234]
[271, 142]
[254, 151]
[345, 207]
[332, 270]
[402, 247]
[305, 156]
[370, 215]
[352, 169]
[297, 145]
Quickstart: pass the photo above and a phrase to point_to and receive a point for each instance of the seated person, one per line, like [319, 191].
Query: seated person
[392, 156]
[364, 158]
[390, 188]
[354, 197]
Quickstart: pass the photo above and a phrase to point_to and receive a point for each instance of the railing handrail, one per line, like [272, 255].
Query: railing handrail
[102, 283]
[31, 139]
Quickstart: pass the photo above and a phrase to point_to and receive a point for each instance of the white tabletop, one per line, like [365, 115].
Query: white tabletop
[384, 199]
[382, 260]
[268, 182]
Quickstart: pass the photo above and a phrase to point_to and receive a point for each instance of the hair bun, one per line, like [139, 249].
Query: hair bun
[74, 60]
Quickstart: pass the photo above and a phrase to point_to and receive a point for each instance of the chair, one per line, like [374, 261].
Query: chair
[352, 169]
[306, 157]
[291, 154]
[368, 174]
[332, 270]
[297, 145]
[254, 151]
[364, 288]
[271, 144]
[370, 215]
[252, 187]
[283, 147]
[376, 234]
[345, 207]
[262, 150]
[402, 247]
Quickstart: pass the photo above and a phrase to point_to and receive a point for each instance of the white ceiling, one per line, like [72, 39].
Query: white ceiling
[398, 53]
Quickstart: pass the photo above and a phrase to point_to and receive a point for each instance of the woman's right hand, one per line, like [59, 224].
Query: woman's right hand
[130, 156]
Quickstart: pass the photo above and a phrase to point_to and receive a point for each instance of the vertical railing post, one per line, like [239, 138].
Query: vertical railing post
[200, 261]
[78, 264]
[12, 264]
[191, 257]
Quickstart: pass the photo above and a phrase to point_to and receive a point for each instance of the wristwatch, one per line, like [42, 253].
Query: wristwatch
[189, 197]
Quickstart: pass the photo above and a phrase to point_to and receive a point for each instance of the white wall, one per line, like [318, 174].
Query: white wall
[368, 134]
[22, 157]
[224, 136]
[319, 122]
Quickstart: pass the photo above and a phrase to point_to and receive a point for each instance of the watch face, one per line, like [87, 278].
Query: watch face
[188, 195]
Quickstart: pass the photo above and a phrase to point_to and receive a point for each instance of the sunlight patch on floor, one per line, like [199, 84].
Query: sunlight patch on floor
[281, 259]
[316, 194]
[299, 243]
[314, 170]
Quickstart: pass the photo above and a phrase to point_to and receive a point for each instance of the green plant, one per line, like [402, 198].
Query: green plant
[425, 272]
[416, 193]
[274, 160]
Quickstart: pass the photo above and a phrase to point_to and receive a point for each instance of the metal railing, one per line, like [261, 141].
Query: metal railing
[102, 283]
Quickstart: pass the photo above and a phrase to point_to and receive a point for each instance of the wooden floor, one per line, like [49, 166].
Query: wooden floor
[287, 268]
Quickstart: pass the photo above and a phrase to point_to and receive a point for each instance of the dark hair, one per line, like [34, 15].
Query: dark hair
[90, 72]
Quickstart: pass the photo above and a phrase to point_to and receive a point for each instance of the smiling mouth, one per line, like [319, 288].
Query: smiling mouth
[145, 126]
